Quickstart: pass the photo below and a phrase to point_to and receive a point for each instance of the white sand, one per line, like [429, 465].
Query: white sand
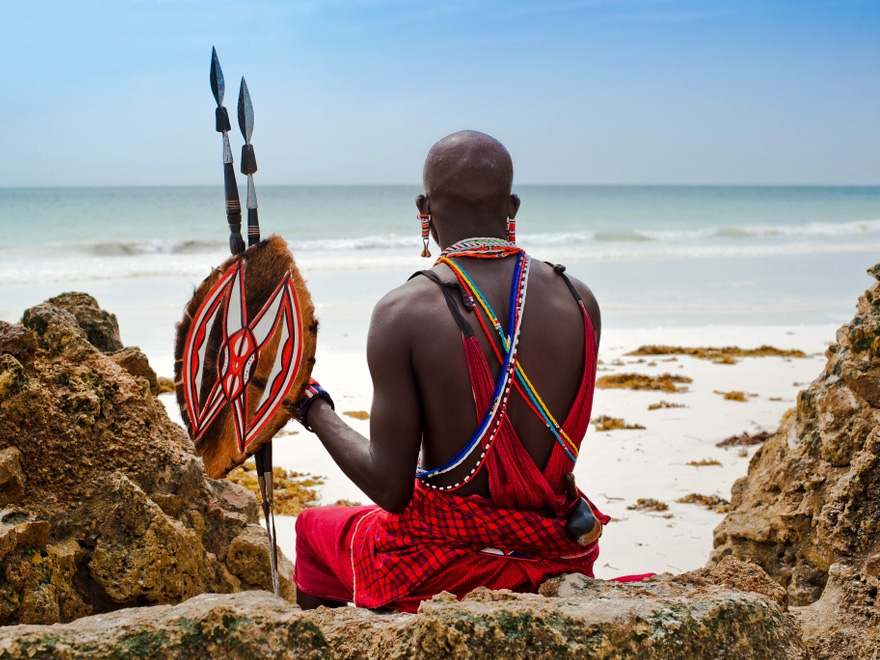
[618, 467]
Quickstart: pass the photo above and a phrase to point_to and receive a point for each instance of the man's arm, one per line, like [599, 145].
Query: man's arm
[383, 466]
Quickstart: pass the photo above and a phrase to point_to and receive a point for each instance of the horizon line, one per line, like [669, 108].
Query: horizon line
[419, 185]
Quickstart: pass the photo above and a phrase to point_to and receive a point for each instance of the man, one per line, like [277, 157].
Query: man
[491, 504]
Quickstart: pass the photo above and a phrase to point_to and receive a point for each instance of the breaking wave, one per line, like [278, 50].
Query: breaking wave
[101, 260]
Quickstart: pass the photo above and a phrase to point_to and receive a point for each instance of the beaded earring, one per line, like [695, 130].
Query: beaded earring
[426, 228]
[511, 230]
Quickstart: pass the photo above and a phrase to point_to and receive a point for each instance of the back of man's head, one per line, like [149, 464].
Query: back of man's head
[469, 170]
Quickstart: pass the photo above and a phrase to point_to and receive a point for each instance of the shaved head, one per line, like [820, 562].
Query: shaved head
[469, 168]
[468, 176]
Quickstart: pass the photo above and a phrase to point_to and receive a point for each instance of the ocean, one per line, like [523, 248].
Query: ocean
[145, 232]
[654, 256]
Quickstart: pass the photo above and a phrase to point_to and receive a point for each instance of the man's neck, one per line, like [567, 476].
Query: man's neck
[449, 235]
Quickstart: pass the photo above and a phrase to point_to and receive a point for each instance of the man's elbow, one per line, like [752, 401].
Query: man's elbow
[395, 499]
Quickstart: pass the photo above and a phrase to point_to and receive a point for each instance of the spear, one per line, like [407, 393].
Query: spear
[263, 457]
[233, 205]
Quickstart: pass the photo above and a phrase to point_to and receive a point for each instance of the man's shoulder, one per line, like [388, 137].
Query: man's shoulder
[413, 302]
[552, 272]
[408, 295]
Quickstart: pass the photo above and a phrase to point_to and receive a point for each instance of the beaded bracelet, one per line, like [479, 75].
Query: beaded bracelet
[312, 393]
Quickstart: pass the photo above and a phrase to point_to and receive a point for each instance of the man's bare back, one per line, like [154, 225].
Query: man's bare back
[413, 329]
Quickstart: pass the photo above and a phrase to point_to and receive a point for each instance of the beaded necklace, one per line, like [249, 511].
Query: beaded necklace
[488, 429]
[483, 247]
[523, 385]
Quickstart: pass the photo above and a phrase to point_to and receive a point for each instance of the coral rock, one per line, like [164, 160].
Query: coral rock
[17, 342]
[250, 624]
[37, 585]
[666, 617]
[845, 622]
[115, 509]
[136, 363]
[101, 327]
[31, 533]
[143, 555]
[808, 511]
[56, 330]
[248, 561]
[810, 498]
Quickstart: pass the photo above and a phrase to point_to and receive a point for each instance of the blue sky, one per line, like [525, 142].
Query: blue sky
[347, 92]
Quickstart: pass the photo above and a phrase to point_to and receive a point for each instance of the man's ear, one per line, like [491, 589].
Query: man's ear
[423, 204]
[514, 206]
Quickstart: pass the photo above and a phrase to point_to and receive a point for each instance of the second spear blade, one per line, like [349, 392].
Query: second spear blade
[248, 159]
[245, 112]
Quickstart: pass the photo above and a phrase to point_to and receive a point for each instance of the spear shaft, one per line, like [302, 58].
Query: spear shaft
[263, 456]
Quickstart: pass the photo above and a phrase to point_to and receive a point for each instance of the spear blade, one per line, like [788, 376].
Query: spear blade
[217, 84]
[233, 204]
[248, 159]
[245, 112]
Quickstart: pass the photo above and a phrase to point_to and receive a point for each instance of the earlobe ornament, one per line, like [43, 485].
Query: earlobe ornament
[511, 230]
[425, 219]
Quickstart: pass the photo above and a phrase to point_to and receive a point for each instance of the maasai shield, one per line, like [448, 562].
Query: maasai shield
[244, 353]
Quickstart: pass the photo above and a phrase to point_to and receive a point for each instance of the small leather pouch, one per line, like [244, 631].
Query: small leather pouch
[581, 525]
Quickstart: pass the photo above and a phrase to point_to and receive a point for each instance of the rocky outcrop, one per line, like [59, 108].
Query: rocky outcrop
[694, 615]
[812, 494]
[808, 511]
[101, 327]
[105, 504]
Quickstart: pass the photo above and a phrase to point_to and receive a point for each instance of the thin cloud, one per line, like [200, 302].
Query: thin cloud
[678, 16]
[621, 6]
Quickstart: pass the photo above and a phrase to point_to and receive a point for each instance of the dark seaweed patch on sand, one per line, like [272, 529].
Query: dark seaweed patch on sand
[662, 383]
[722, 355]
[606, 423]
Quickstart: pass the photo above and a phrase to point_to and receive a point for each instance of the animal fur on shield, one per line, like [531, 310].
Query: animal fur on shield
[244, 354]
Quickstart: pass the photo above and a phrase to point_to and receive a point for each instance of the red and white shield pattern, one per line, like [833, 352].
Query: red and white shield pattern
[243, 344]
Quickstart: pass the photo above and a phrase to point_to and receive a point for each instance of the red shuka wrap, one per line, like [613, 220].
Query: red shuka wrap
[444, 542]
